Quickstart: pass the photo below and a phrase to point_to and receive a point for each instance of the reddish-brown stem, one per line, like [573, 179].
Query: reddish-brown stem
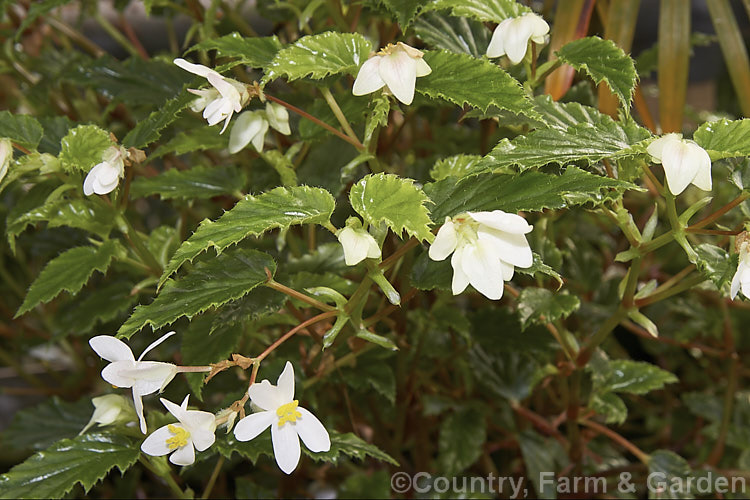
[130, 33]
[287, 335]
[726, 208]
[640, 454]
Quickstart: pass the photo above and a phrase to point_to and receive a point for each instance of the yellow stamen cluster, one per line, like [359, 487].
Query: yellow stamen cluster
[288, 412]
[180, 437]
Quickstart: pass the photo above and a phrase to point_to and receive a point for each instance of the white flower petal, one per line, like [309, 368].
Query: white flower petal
[150, 376]
[174, 409]
[736, 282]
[539, 28]
[460, 278]
[702, 178]
[368, 78]
[445, 241]
[156, 444]
[278, 117]
[399, 72]
[286, 448]
[656, 148]
[265, 395]
[117, 373]
[138, 402]
[246, 127]
[156, 343]
[496, 47]
[252, 425]
[227, 90]
[423, 69]
[482, 265]
[260, 137]
[196, 69]
[202, 437]
[508, 270]
[111, 348]
[312, 432]
[184, 455]
[680, 166]
[358, 245]
[497, 219]
[512, 248]
[285, 384]
[516, 39]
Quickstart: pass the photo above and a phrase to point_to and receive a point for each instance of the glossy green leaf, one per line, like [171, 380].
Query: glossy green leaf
[256, 52]
[41, 426]
[395, 201]
[83, 146]
[667, 466]
[374, 375]
[254, 215]
[351, 446]
[201, 346]
[198, 182]
[212, 283]
[454, 166]
[21, 129]
[378, 115]
[481, 10]
[633, 377]
[201, 138]
[69, 272]
[604, 62]
[539, 306]
[541, 456]
[227, 445]
[404, 10]
[611, 406]
[319, 56]
[85, 460]
[89, 308]
[149, 129]
[530, 191]
[55, 128]
[454, 34]
[724, 138]
[716, 264]
[462, 436]
[260, 302]
[463, 79]
[507, 374]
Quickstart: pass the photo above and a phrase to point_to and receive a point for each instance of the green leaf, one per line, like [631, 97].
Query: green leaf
[454, 166]
[668, 466]
[508, 374]
[350, 445]
[461, 440]
[52, 473]
[373, 375]
[279, 208]
[283, 166]
[21, 129]
[724, 138]
[83, 146]
[605, 62]
[200, 348]
[481, 10]
[212, 283]
[541, 456]
[463, 79]
[43, 425]
[149, 130]
[454, 34]
[319, 56]
[36, 10]
[198, 182]
[89, 308]
[633, 377]
[69, 271]
[256, 52]
[611, 406]
[227, 445]
[378, 116]
[395, 201]
[529, 191]
[716, 264]
[55, 128]
[563, 115]
[255, 305]
[539, 306]
[201, 138]
[383, 342]
[404, 10]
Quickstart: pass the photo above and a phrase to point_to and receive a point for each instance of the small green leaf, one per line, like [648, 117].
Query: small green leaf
[212, 283]
[69, 271]
[394, 200]
[279, 208]
[260, 302]
[462, 436]
[198, 182]
[668, 467]
[43, 425]
[256, 52]
[724, 138]
[633, 377]
[508, 374]
[55, 128]
[463, 79]
[319, 56]
[454, 166]
[383, 342]
[611, 406]
[283, 166]
[541, 456]
[716, 264]
[481, 10]
[91, 307]
[539, 306]
[404, 10]
[201, 138]
[85, 460]
[372, 376]
[21, 129]
[455, 34]
[378, 116]
[200, 348]
[149, 130]
[529, 191]
[350, 445]
[83, 146]
[605, 62]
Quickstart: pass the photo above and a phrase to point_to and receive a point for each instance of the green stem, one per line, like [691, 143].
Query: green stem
[214, 476]
[298, 295]
[339, 114]
[600, 335]
[674, 219]
[681, 287]
[657, 242]
[140, 248]
[115, 34]
[179, 493]
[632, 283]
[726, 208]
[342, 361]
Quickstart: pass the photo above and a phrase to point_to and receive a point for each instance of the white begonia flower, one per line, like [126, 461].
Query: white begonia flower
[104, 177]
[110, 409]
[145, 377]
[218, 103]
[512, 35]
[250, 126]
[485, 246]
[684, 161]
[395, 67]
[278, 117]
[358, 245]
[741, 279]
[194, 431]
[6, 155]
[288, 421]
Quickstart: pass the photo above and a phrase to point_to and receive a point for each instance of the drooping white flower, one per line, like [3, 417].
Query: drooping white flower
[251, 127]
[486, 247]
[6, 155]
[684, 161]
[144, 377]
[395, 67]
[358, 244]
[278, 117]
[194, 431]
[512, 35]
[218, 103]
[110, 409]
[288, 421]
[104, 177]
[741, 279]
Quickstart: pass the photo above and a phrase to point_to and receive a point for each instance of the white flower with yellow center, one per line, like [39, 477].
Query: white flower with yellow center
[395, 67]
[741, 279]
[512, 35]
[288, 421]
[218, 103]
[485, 246]
[104, 177]
[684, 161]
[357, 243]
[194, 431]
[110, 409]
[144, 377]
